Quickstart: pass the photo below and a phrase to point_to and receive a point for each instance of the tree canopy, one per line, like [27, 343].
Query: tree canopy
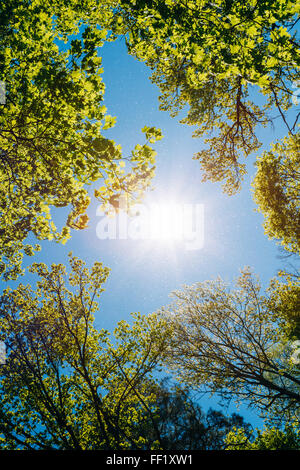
[233, 343]
[268, 439]
[277, 192]
[65, 383]
[183, 424]
[208, 58]
[68, 385]
[206, 55]
[53, 122]
[226, 67]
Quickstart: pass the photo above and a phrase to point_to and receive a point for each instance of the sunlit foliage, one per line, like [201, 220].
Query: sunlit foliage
[208, 58]
[53, 122]
[232, 342]
[277, 192]
[66, 384]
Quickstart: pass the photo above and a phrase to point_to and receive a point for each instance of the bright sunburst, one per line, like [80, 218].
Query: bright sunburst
[157, 221]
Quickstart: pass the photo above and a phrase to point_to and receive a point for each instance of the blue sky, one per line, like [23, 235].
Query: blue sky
[144, 273]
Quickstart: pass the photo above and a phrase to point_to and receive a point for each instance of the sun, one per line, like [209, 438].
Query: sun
[165, 221]
[168, 222]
